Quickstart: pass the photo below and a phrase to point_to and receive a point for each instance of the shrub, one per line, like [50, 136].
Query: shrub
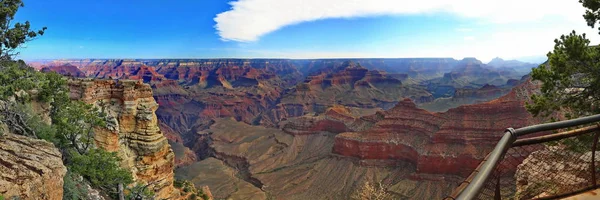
[73, 187]
[101, 168]
[370, 191]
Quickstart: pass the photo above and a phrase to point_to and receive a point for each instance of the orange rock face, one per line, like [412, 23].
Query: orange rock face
[30, 168]
[453, 142]
[132, 130]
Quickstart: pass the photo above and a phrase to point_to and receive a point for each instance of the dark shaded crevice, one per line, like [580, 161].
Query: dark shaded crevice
[201, 147]
[242, 166]
[30, 167]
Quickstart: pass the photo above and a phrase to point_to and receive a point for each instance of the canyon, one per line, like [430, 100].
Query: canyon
[298, 129]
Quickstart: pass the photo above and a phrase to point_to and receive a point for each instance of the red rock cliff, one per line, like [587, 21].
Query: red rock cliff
[453, 142]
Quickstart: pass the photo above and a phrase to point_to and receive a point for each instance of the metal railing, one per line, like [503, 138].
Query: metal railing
[539, 167]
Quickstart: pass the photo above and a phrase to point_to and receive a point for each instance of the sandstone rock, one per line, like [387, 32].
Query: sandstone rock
[551, 171]
[133, 131]
[30, 168]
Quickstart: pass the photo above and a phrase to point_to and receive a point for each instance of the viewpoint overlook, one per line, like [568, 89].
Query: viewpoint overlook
[270, 99]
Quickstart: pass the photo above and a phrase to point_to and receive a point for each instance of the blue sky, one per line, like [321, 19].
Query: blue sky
[298, 28]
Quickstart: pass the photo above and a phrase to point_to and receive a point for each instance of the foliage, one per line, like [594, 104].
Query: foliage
[592, 13]
[202, 195]
[178, 183]
[53, 89]
[73, 188]
[101, 168]
[15, 77]
[571, 79]
[187, 187]
[75, 124]
[13, 35]
[370, 191]
[139, 191]
[15, 117]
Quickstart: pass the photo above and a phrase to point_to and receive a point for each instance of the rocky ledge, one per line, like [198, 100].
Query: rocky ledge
[30, 168]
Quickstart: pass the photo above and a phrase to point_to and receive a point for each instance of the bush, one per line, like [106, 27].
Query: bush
[370, 191]
[139, 191]
[73, 187]
[202, 195]
[101, 168]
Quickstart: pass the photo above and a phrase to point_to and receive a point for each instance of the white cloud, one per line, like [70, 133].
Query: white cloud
[248, 20]
[468, 38]
[463, 29]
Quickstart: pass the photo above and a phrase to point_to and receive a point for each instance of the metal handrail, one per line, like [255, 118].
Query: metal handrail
[556, 125]
[510, 136]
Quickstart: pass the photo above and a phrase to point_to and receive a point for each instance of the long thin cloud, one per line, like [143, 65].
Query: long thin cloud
[249, 20]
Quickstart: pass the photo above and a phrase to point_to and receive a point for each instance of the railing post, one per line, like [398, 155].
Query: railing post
[497, 194]
[594, 183]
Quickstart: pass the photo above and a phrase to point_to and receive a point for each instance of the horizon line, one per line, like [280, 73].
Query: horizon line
[258, 58]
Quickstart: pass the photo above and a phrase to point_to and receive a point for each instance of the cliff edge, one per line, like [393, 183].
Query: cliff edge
[132, 130]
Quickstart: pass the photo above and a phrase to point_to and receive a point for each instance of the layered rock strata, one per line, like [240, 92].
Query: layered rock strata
[453, 142]
[30, 168]
[132, 130]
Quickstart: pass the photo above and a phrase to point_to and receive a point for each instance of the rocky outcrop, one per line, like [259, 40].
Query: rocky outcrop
[348, 84]
[470, 72]
[132, 130]
[453, 142]
[336, 119]
[553, 170]
[485, 92]
[30, 168]
[66, 70]
[310, 125]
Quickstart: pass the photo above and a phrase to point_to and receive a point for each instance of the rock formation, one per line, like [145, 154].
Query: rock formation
[30, 168]
[552, 170]
[485, 92]
[132, 130]
[348, 84]
[255, 162]
[67, 70]
[453, 142]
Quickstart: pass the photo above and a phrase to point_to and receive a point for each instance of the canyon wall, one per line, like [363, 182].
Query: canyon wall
[452, 142]
[259, 91]
[30, 168]
[132, 130]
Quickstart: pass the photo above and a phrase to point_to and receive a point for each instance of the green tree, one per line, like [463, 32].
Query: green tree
[14, 78]
[13, 35]
[101, 168]
[571, 77]
[75, 123]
